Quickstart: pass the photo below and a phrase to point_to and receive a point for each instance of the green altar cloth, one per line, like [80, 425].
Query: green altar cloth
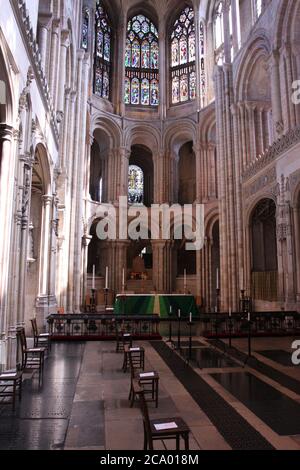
[135, 304]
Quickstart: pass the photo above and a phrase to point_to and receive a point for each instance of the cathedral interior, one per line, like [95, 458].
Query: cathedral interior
[173, 104]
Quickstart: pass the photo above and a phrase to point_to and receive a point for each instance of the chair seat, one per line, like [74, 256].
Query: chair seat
[44, 335]
[181, 428]
[150, 375]
[10, 376]
[35, 350]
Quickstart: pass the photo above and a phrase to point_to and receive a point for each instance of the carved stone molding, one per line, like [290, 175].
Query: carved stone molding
[260, 183]
[278, 148]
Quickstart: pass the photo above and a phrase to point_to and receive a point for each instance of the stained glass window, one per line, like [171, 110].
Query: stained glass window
[183, 58]
[135, 185]
[103, 44]
[202, 65]
[141, 63]
[85, 29]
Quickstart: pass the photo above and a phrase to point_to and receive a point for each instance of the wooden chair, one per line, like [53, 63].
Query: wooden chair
[161, 429]
[10, 387]
[40, 340]
[137, 355]
[147, 380]
[122, 339]
[32, 358]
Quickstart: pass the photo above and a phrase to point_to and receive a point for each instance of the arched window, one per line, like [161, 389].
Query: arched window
[141, 62]
[85, 29]
[135, 185]
[258, 8]
[202, 65]
[183, 58]
[103, 39]
[219, 36]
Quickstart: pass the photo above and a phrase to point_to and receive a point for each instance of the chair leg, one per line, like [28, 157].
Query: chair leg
[186, 441]
[145, 438]
[177, 442]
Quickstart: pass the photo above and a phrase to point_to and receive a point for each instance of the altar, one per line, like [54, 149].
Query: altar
[165, 306]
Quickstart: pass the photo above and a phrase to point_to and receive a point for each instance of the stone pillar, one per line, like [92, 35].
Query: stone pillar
[296, 220]
[121, 263]
[121, 45]
[158, 265]
[64, 45]
[124, 155]
[276, 94]
[45, 246]
[54, 58]
[227, 35]
[162, 68]
[44, 23]
[236, 26]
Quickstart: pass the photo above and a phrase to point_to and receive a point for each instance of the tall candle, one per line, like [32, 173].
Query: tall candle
[93, 281]
[123, 279]
[179, 313]
[242, 278]
[190, 317]
[171, 309]
[106, 277]
[218, 283]
[184, 282]
[249, 318]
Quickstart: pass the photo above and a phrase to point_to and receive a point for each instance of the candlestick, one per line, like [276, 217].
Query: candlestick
[184, 281]
[218, 283]
[190, 317]
[179, 313]
[123, 280]
[93, 281]
[242, 278]
[106, 277]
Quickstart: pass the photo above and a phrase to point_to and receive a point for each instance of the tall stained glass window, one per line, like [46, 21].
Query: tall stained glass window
[183, 58]
[202, 65]
[102, 66]
[135, 185]
[141, 63]
[85, 29]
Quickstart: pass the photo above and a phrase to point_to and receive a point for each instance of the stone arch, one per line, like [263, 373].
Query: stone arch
[143, 135]
[179, 133]
[141, 8]
[263, 250]
[109, 127]
[259, 49]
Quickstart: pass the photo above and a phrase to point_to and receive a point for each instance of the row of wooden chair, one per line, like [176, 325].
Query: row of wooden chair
[144, 387]
[30, 358]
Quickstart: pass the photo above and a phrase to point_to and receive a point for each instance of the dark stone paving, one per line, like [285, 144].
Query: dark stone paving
[278, 411]
[41, 420]
[274, 374]
[195, 344]
[278, 355]
[206, 358]
[237, 432]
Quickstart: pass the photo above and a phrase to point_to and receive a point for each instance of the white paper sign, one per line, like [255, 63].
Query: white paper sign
[134, 349]
[163, 426]
[147, 374]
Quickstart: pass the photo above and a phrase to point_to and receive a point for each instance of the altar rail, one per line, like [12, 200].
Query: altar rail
[82, 327]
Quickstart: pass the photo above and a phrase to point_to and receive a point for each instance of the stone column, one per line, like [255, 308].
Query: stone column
[45, 246]
[236, 26]
[296, 220]
[54, 58]
[227, 39]
[124, 155]
[158, 265]
[121, 263]
[121, 45]
[64, 45]
[164, 70]
[276, 94]
[44, 23]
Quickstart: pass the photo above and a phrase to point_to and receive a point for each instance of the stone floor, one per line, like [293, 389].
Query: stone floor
[83, 401]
